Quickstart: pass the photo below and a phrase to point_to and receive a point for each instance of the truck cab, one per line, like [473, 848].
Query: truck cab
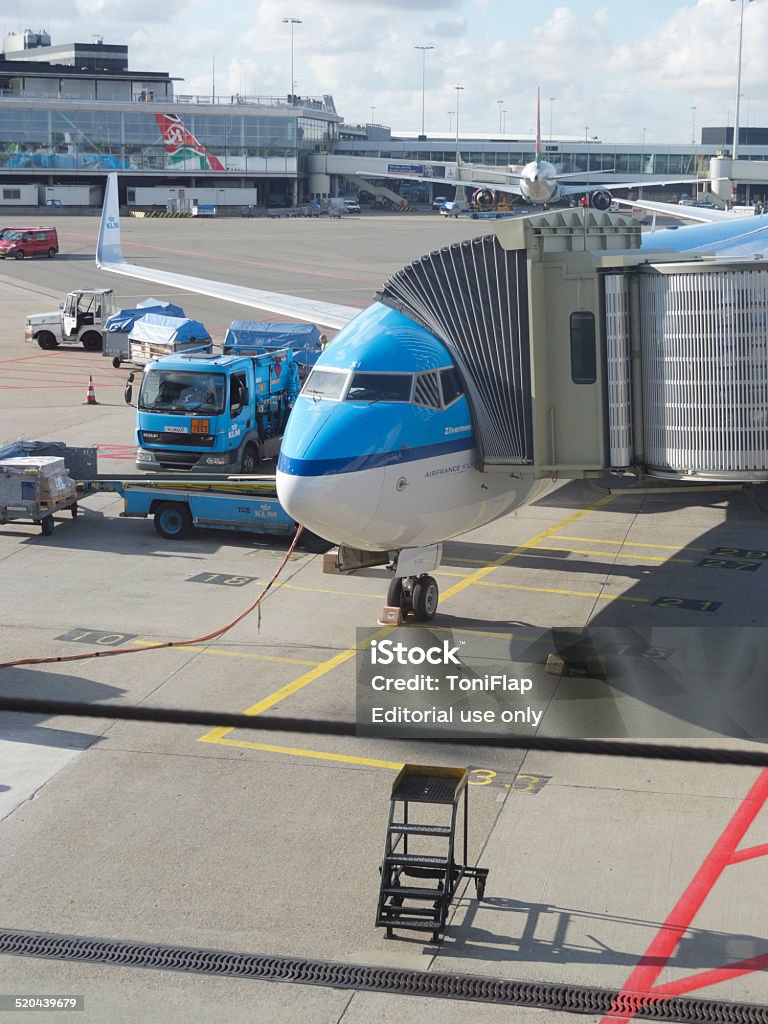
[80, 319]
[214, 413]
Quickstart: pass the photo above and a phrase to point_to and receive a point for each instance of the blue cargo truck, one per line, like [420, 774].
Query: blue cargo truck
[213, 413]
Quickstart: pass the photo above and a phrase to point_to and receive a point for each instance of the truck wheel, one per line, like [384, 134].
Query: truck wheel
[314, 544]
[91, 341]
[46, 340]
[19, 254]
[51, 253]
[251, 460]
[173, 520]
[46, 526]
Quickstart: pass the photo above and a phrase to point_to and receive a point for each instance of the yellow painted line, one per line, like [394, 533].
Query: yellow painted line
[631, 543]
[298, 752]
[476, 577]
[326, 590]
[567, 593]
[218, 735]
[614, 554]
[231, 654]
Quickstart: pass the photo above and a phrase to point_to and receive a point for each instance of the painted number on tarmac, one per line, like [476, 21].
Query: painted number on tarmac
[507, 780]
[755, 554]
[635, 651]
[687, 604]
[96, 636]
[728, 563]
[221, 579]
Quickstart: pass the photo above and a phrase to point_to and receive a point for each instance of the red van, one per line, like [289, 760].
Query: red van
[21, 242]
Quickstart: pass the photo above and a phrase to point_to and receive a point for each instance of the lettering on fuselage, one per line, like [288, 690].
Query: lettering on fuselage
[460, 467]
[455, 430]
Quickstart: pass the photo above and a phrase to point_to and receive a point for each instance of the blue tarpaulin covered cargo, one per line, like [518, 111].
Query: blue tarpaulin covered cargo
[245, 334]
[124, 319]
[155, 336]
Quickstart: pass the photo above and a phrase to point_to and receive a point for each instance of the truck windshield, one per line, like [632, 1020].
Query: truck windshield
[182, 391]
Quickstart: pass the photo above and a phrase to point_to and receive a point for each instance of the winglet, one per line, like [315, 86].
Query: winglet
[538, 125]
[108, 246]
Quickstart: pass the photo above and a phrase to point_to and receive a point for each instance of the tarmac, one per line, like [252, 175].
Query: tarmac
[603, 872]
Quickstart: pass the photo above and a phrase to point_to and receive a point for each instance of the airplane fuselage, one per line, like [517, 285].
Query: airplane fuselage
[538, 183]
[379, 451]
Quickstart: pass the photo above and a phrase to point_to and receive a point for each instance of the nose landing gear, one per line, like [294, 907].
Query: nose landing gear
[415, 596]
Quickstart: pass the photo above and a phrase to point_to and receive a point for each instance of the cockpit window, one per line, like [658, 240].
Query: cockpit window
[380, 387]
[325, 384]
[427, 390]
[452, 388]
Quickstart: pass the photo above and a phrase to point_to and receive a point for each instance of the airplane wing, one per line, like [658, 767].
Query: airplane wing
[702, 214]
[109, 256]
[609, 186]
[424, 180]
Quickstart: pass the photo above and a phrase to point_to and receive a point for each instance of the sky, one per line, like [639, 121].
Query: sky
[654, 69]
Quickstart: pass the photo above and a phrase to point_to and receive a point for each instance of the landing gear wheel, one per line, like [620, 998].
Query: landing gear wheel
[173, 520]
[425, 598]
[91, 341]
[46, 526]
[45, 339]
[395, 593]
[251, 461]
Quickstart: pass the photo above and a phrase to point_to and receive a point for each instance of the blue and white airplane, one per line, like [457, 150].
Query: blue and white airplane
[379, 454]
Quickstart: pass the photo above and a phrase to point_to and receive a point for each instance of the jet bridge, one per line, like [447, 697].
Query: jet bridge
[580, 353]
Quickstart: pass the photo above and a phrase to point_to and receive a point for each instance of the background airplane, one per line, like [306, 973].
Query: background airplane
[379, 454]
[538, 183]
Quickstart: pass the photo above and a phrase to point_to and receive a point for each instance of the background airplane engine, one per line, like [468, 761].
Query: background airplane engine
[484, 197]
[600, 200]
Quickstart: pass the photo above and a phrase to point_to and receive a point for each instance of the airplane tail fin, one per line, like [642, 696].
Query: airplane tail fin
[182, 146]
[538, 124]
[108, 248]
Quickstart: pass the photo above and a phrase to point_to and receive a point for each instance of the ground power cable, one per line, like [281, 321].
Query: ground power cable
[166, 643]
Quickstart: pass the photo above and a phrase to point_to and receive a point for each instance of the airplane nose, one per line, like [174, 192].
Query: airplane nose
[334, 495]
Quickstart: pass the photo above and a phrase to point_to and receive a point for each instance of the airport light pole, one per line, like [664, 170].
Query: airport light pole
[503, 121]
[551, 108]
[501, 104]
[693, 126]
[423, 80]
[459, 89]
[292, 22]
[450, 120]
[738, 80]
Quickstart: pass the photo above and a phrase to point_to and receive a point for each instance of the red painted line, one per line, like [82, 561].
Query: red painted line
[713, 977]
[749, 853]
[49, 387]
[663, 945]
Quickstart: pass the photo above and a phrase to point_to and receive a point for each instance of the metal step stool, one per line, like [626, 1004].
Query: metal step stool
[421, 907]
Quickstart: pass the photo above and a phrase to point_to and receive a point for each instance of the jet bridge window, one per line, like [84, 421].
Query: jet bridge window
[583, 349]
[427, 390]
[380, 387]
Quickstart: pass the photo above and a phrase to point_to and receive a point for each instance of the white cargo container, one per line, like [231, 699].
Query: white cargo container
[18, 195]
[160, 194]
[72, 195]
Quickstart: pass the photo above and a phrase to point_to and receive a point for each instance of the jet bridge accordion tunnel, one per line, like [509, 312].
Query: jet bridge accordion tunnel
[581, 353]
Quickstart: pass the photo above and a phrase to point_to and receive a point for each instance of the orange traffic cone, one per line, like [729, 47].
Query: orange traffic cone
[90, 394]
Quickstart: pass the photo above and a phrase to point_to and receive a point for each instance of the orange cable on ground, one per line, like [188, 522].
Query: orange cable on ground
[169, 643]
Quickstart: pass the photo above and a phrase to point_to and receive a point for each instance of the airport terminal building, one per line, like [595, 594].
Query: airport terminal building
[70, 113]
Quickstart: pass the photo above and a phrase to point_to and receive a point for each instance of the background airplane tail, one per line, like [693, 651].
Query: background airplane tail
[182, 146]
